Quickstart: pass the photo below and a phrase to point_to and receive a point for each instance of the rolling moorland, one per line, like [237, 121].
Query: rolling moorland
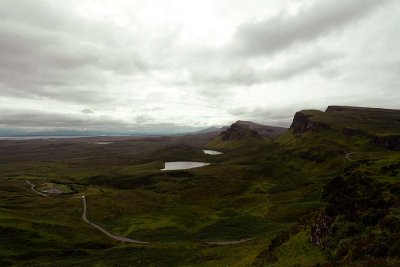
[325, 192]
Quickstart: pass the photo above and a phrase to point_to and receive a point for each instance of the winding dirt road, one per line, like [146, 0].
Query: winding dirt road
[348, 156]
[224, 243]
[122, 238]
[116, 237]
[34, 190]
[128, 240]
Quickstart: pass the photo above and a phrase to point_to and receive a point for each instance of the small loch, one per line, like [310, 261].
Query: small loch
[183, 165]
[212, 152]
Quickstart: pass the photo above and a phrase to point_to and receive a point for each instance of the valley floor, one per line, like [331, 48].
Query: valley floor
[255, 205]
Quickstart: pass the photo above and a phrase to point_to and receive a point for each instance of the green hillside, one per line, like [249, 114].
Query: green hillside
[319, 194]
[357, 219]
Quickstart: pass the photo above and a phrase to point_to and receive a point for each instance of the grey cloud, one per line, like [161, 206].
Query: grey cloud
[51, 55]
[140, 119]
[317, 60]
[157, 108]
[217, 69]
[42, 14]
[148, 109]
[87, 111]
[231, 64]
[240, 75]
[62, 92]
[283, 31]
[269, 116]
[39, 120]
[48, 52]
[245, 73]
[165, 128]
[24, 47]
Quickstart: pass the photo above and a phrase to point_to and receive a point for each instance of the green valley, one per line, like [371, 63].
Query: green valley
[325, 192]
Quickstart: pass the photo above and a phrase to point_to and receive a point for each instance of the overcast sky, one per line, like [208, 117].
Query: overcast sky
[173, 64]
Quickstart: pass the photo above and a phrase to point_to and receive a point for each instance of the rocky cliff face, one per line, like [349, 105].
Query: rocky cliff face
[239, 132]
[264, 130]
[380, 126]
[391, 142]
[242, 130]
[355, 132]
[303, 122]
[370, 111]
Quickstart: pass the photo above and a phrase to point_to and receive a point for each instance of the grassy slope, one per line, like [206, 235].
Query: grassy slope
[237, 197]
[375, 121]
[178, 211]
[324, 156]
[253, 191]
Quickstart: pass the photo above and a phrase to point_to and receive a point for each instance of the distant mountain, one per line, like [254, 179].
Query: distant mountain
[241, 130]
[245, 132]
[264, 130]
[324, 193]
[238, 131]
[212, 129]
[74, 133]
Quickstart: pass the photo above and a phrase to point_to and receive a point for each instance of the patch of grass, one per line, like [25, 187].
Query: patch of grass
[299, 251]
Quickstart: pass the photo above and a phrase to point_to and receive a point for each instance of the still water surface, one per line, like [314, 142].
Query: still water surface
[212, 152]
[183, 165]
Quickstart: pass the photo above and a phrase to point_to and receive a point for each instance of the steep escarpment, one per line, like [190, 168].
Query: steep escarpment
[350, 155]
[376, 121]
[246, 129]
[264, 130]
[391, 142]
[380, 112]
[305, 121]
[318, 195]
[244, 133]
[361, 222]
[380, 126]
[238, 131]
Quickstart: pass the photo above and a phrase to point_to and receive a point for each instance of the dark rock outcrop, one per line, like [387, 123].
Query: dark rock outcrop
[264, 130]
[303, 122]
[320, 230]
[354, 132]
[239, 132]
[391, 142]
[379, 111]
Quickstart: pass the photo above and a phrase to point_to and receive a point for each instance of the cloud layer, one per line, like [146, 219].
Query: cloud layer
[139, 64]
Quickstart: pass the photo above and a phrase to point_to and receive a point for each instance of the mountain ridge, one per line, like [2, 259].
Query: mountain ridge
[323, 195]
[381, 126]
[243, 133]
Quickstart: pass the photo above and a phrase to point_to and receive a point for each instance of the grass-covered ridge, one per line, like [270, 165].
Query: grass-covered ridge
[357, 221]
[369, 120]
[272, 195]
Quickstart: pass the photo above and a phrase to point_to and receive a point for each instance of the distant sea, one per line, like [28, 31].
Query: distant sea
[39, 137]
